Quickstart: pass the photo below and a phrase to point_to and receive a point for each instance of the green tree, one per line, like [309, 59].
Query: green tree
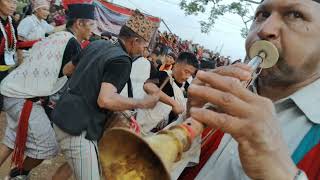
[219, 8]
[21, 4]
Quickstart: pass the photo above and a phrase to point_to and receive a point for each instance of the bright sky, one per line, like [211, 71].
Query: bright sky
[225, 36]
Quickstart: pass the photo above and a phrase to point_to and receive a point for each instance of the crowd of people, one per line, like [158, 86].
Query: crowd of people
[170, 43]
[62, 86]
[163, 40]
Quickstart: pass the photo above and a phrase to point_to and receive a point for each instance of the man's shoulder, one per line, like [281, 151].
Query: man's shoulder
[107, 47]
[61, 36]
[73, 41]
[141, 61]
[27, 19]
[163, 74]
[159, 75]
[100, 42]
[26, 22]
[113, 51]
[104, 44]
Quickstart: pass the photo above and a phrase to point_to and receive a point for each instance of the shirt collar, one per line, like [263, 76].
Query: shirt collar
[35, 18]
[122, 45]
[308, 101]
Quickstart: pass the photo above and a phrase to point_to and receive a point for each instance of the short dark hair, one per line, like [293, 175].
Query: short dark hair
[126, 33]
[188, 58]
[156, 52]
[27, 10]
[70, 23]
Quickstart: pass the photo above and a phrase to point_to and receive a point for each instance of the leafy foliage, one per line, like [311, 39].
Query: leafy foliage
[219, 8]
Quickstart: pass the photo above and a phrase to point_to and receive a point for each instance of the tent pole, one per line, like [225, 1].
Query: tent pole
[166, 26]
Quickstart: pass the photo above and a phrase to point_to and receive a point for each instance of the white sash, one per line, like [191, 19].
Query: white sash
[178, 92]
[38, 74]
[150, 118]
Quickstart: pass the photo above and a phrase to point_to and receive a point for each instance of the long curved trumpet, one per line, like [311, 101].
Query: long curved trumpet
[127, 156]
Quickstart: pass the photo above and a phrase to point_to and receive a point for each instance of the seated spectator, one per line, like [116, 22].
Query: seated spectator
[35, 26]
[59, 18]
[168, 62]
[154, 58]
[17, 18]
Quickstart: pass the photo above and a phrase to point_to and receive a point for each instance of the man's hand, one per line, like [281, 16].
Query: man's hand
[177, 108]
[237, 72]
[250, 119]
[109, 99]
[148, 102]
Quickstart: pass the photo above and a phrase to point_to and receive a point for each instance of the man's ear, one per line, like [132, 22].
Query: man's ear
[133, 41]
[78, 24]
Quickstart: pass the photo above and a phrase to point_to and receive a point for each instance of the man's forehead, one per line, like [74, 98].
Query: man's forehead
[318, 1]
[287, 3]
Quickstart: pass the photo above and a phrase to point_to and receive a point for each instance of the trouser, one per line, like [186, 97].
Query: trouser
[81, 154]
[3, 74]
[41, 141]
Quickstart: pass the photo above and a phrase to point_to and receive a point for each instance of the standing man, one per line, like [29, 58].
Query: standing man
[274, 134]
[41, 74]
[8, 36]
[93, 93]
[172, 97]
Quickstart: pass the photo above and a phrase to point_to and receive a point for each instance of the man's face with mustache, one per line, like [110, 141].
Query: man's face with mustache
[293, 26]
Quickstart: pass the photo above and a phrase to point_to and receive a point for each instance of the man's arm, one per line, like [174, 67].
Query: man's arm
[23, 29]
[109, 99]
[151, 88]
[70, 57]
[69, 68]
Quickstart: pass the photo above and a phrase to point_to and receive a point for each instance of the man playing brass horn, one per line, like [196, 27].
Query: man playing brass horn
[275, 134]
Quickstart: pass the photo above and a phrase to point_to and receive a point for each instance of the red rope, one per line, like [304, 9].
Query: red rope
[22, 134]
[134, 125]
[26, 44]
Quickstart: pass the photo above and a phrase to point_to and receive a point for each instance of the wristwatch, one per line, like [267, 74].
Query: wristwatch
[300, 175]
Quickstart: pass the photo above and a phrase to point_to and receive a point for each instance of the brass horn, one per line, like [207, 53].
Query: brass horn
[127, 156]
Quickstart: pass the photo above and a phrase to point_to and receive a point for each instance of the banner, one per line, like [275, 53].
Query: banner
[110, 17]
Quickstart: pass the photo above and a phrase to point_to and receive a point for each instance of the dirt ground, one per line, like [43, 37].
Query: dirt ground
[43, 172]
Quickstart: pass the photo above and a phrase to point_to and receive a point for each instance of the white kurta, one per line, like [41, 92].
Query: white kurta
[140, 73]
[38, 75]
[31, 28]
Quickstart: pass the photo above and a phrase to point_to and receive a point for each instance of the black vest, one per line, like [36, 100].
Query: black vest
[77, 110]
